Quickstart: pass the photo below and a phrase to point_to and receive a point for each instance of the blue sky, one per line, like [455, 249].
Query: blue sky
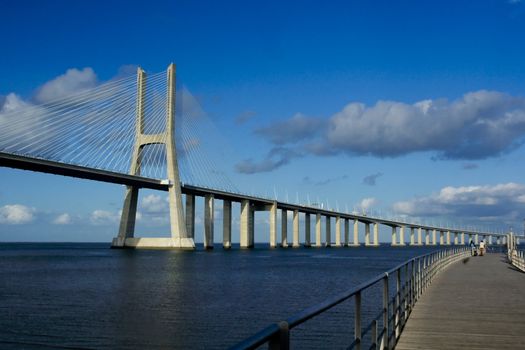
[413, 108]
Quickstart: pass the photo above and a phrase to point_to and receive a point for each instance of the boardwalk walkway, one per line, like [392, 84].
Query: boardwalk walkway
[478, 304]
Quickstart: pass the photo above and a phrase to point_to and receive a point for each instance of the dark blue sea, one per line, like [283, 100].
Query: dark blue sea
[88, 296]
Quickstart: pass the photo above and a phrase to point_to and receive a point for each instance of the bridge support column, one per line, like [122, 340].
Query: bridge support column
[419, 236]
[307, 239]
[462, 238]
[402, 235]
[434, 237]
[328, 232]
[376, 234]
[179, 237]
[226, 224]
[295, 241]
[337, 231]
[490, 240]
[273, 225]
[412, 238]
[367, 234]
[448, 237]
[317, 230]
[498, 240]
[427, 237]
[441, 238]
[476, 239]
[347, 232]
[208, 221]
[246, 224]
[355, 242]
[284, 228]
[456, 240]
[394, 236]
[190, 215]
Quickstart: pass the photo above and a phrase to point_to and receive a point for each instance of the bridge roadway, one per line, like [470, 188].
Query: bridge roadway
[477, 304]
[52, 167]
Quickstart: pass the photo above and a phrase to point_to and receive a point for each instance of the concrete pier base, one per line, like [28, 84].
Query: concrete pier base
[307, 230]
[318, 230]
[355, 242]
[337, 231]
[328, 232]
[226, 224]
[295, 239]
[284, 228]
[153, 243]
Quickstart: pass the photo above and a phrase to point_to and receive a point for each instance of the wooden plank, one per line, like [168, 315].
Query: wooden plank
[476, 304]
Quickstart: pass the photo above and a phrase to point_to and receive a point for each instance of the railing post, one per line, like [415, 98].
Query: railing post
[374, 335]
[397, 319]
[385, 311]
[282, 340]
[357, 321]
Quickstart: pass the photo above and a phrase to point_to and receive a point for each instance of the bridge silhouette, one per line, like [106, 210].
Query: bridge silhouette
[124, 132]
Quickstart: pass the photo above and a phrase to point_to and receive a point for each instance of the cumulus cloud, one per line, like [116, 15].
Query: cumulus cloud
[62, 219]
[104, 217]
[154, 204]
[16, 214]
[370, 180]
[366, 204]
[297, 128]
[74, 80]
[277, 157]
[503, 201]
[478, 125]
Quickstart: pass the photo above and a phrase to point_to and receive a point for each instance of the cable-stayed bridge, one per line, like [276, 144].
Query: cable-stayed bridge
[134, 131]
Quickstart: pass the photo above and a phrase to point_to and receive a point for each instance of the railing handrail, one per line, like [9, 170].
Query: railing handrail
[265, 335]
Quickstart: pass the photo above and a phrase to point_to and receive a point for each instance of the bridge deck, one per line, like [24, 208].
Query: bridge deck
[479, 304]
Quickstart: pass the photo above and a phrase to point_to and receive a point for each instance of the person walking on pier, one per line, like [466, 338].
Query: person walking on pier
[482, 247]
[472, 247]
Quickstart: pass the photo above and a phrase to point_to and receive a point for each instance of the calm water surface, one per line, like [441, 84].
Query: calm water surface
[91, 297]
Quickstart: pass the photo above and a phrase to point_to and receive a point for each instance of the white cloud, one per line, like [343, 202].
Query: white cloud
[154, 204]
[62, 219]
[104, 217]
[478, 125]
[15, 214]
[501, 202]
[74, 80]
[367, 203]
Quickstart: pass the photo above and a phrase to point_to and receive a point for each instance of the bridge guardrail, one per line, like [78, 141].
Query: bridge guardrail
[412, 277]
[514, 255]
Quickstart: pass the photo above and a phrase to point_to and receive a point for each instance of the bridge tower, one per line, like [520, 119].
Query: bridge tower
[179, 235]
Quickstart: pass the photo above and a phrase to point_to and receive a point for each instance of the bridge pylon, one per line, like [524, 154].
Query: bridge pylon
[179, 235]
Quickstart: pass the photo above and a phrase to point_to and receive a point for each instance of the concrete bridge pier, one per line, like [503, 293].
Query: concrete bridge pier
[448, 237]
[347, 232]
[295, 240]
[208, 221]
[490, 240]
[476, 239]
[190, 215]
[427, 237]
[318, 230]
[402, 236]
[355, 242]
[412, 237]
[376, 234]
[367, 234]
[246, 229]
[462, 238]
[434, 237]
[419, 236]
[273, 225]
[226, 224]
[328, 232]
[394, 236]
[337, 231]
[284, 228]
[307, 239]
[441, 238]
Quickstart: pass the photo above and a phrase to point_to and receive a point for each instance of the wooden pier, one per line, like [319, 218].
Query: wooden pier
[476, 304]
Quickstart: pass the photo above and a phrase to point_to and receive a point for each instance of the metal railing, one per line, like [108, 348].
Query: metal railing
[515, 256]
[411, 279]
